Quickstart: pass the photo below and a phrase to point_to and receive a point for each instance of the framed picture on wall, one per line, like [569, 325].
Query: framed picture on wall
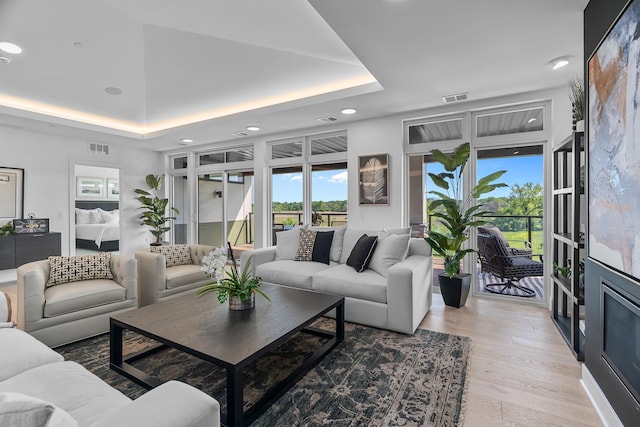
[90, 187]
[113, 188]
[373, 178]
[11, 194]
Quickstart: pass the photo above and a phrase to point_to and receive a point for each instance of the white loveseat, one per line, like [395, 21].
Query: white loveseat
[37, 387]
[395, 293]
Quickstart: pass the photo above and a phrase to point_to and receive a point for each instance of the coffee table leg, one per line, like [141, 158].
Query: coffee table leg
[235, 396]
[115, 345]
[340, 323]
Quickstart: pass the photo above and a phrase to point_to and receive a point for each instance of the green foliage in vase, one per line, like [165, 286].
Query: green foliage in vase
[454, 210]
[7, 229]
[154, 213]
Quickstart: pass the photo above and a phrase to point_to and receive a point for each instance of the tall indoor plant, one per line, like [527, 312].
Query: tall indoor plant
[457, 213]
[154, 207]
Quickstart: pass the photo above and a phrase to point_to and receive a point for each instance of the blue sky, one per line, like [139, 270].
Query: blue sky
[325, 186]
[332, 185]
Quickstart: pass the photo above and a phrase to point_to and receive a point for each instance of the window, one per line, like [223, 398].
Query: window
[443, 130]
[287, 196]
[329, 194]
[510, 122]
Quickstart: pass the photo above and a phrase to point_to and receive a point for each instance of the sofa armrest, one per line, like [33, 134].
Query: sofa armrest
[172, 404]
[152, 276]
[409, 292]
[260, 256]
[125, 272]
[32, 281]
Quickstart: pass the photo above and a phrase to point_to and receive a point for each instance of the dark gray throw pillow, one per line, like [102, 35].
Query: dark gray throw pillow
[361, 254]
[322, 247]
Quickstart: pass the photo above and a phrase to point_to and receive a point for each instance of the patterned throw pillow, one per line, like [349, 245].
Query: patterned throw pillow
[174, 254]
[86, 267]
[305, 246]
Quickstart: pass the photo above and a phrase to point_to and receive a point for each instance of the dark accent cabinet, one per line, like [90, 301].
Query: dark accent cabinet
[23, 248]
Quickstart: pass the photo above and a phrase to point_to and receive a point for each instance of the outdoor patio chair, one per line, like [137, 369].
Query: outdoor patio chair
[496, 259]
[493, 230]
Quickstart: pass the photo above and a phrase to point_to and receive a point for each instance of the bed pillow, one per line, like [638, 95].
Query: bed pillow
[390, 250]
[17, 409]
[83, 216]
[96, 216]
[362, 251]
[110, 217]
[66, 269]
[174, 254]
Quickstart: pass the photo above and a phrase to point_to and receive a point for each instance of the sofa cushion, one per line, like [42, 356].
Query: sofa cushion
[181, 275]
[344, 280]
[85, 267]
[287, 244]
[17, 409]
[22, 352]
[322, 247]
[336, 243]
[305, 245]
[173, 254]
[71, 387]
[362, 253]
[391, 249]
[296, 274]
[76, 296]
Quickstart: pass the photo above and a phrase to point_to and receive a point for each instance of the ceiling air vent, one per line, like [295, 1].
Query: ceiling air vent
[329, 119]
[96, 148]
[240, 134]
[455, 98]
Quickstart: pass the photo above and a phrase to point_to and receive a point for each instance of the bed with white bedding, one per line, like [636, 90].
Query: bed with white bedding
[97, 225]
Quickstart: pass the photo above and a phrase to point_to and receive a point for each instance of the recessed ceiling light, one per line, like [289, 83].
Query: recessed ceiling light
[559, 62]
[349, 111]
[516, 152]
[253, 128]
[113, 90]
[531, 120]
[10, 48]
[187, 140]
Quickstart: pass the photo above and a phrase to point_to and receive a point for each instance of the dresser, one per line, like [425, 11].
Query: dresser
[20, 249]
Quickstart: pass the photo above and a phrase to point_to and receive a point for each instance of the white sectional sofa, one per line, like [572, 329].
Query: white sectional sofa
[394, 293]
[37, 387]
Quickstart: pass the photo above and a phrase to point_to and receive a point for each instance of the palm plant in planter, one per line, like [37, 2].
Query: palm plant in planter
[457, 213]
[155, 208]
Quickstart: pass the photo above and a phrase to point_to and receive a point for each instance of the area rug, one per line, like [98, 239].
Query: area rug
[374, 378]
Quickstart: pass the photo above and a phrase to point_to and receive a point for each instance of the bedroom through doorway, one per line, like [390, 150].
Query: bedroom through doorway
[96, 210]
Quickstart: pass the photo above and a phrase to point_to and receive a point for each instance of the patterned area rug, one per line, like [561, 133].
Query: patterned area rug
[374, 378]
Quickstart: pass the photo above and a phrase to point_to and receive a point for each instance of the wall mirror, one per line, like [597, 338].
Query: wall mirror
[11, 194]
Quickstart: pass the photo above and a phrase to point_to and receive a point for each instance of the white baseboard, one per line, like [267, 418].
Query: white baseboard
[598, 399]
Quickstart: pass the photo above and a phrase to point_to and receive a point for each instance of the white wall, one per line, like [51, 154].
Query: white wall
[49, 173]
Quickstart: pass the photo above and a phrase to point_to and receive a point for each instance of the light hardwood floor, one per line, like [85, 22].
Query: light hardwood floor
[521, 371]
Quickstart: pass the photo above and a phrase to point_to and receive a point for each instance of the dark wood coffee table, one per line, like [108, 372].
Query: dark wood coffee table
[232, 340]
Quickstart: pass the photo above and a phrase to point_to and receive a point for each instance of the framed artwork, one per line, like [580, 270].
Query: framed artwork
[90, 187]
[11, 194]
[113, 188]
[613, 148]
[373, 178]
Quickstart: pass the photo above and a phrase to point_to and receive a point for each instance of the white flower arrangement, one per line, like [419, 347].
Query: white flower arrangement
[213, 264]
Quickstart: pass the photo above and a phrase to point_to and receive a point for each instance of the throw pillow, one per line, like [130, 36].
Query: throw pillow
[336, 243]
[305, 245]
[322, 247]
[85, 267]
[362, 252]
[17, 409]
[391, 249]
[287, 243]
[173, 254]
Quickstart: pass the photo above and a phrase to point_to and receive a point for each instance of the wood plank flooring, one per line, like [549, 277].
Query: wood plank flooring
[521, 371]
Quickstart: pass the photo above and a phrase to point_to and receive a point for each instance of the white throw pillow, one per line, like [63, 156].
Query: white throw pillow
[96, 216]
[391, 249]
[18, 409]
[288, 242]
[110, 217]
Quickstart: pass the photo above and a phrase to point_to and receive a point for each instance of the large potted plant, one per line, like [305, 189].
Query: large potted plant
[457, 213]
[154, 208]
